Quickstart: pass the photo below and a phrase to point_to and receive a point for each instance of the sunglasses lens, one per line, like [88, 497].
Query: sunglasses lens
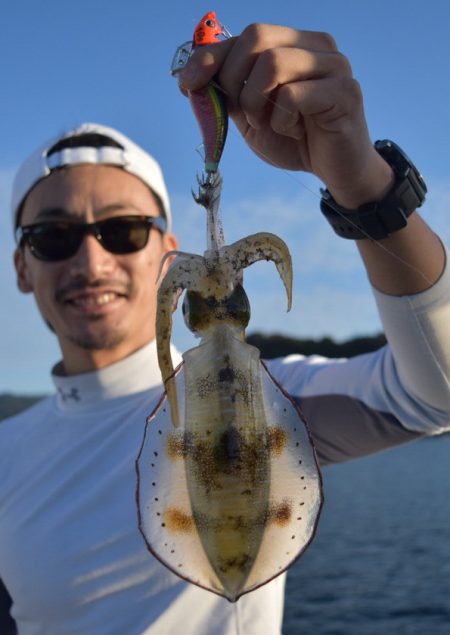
[124, 235]
[58, 241]
[54, 241]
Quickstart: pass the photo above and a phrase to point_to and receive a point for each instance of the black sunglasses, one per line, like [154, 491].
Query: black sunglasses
[59, 240]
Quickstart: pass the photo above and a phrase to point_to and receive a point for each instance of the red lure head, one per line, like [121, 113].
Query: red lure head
[208, 30]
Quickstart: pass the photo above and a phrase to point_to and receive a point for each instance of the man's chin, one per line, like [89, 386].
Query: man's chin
[98, 341]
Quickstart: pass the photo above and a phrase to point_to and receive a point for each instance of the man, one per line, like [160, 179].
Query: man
[71, 557]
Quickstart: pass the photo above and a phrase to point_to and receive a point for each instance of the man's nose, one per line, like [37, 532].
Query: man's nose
[92, 259]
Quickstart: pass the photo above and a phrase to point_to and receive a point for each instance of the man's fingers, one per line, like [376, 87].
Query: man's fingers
[331, 102]
[233, 59]
[204, 64]
[279, 67]
[256, 41]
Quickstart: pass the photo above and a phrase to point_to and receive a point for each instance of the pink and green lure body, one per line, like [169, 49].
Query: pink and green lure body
[209, 103]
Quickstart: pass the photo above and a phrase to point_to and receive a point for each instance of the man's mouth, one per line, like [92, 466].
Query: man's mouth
[92, 300]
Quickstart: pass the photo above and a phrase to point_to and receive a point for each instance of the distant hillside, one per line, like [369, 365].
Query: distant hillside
[271, 346]
[12, 404]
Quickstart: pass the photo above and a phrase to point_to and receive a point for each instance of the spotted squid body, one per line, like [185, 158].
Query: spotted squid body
[229, 490]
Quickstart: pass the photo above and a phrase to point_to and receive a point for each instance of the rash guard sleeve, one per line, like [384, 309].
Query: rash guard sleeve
[371, 402]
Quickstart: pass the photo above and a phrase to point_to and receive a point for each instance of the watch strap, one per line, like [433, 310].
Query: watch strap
[377, 220]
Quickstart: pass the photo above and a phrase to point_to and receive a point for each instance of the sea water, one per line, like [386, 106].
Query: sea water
[380, 563]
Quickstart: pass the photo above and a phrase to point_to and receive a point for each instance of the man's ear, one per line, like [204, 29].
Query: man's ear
[170, 242]
[23, 273]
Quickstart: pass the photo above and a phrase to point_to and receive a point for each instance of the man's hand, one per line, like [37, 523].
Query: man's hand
[292, 96]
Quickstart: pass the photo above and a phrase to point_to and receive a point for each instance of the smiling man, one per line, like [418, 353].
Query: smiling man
[93, 222]
[100, 301]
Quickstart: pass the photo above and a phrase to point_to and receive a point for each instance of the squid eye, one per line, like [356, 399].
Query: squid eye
[210, 23]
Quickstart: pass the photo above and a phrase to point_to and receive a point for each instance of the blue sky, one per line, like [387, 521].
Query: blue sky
[63, 63]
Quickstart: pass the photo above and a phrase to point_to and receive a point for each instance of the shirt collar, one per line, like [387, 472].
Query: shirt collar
[136, 373]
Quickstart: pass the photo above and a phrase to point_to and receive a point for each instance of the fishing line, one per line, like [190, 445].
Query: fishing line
[297, 180]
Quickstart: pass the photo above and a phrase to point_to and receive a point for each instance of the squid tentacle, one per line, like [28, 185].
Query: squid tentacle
[186, 272]
[262, 246]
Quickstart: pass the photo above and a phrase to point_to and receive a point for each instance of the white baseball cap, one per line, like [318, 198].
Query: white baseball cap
[118, 150]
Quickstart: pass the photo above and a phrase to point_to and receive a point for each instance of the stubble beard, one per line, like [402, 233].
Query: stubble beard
[98, 340]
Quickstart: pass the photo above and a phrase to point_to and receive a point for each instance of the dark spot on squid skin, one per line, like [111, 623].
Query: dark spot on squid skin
[176, 521]
[242, 563]
[226, 375]
[209, 458]
[237, 379]
[204, 469]
[205, 387]
[229, 446]
[176, 446]
[276, 440]
[280, 514]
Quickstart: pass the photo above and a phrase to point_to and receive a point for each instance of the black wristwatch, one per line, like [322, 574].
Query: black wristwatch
[379, 219]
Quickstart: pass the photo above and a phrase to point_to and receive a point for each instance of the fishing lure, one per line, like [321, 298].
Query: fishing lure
[229, 491]
[208, 103]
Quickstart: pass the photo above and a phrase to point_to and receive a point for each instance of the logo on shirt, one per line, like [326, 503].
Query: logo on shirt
[73, 394]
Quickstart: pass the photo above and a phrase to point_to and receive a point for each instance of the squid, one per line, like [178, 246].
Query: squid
[228, 491]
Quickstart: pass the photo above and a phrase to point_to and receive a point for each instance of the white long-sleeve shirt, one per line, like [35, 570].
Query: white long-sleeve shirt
[71, 555]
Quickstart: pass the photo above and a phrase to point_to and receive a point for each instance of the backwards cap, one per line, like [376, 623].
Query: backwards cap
[118, 151]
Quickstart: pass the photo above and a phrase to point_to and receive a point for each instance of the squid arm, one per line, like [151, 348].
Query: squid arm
[262, 246]
[186, 272]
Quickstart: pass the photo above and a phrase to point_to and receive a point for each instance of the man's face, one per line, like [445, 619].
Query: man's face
[102, 306]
